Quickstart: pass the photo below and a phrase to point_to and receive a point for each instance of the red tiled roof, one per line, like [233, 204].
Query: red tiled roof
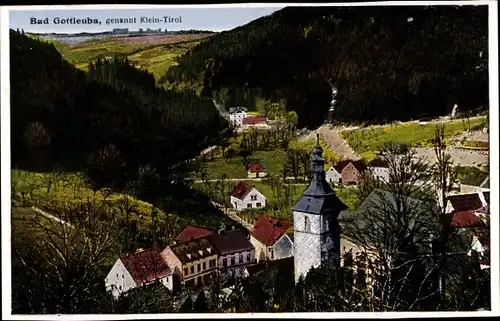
[268, 229]
[465, 202]
[379, 162]
[193, 232]
[241, 190]
[465, 219]
[252, 120]
[256, 168]
[146, 266]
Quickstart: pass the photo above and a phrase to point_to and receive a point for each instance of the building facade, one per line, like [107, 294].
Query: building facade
[379, 169]
[270, 240]
[245, 196]
[316, 228]
[236, 116]
[195, 261]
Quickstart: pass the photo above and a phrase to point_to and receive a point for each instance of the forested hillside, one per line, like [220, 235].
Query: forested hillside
[387, 62]
[107, 122]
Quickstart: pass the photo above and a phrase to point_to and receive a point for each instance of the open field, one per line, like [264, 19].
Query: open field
[415, 134]
[234, 167]
[154, 53]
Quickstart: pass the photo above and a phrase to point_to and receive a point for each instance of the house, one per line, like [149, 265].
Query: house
[245, 196]
[465, 202]
[191, 233]
[137, 269]
[379, 168]
[255, 121]
[270, 240]
[256, 171]
[235, 253]
[194, 261]
[236, 115]
[333, 175]
[350, 171]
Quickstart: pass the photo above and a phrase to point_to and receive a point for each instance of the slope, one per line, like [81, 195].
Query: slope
[387, 62]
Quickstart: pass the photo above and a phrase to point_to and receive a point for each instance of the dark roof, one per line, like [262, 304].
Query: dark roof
[255, 269]
[234, 109]
[319, 197]
[379, 162]
[340, 165]
[359, 165]
[193, 250]
[487, 197]
[252, 120]
[256, 168]
[465, 219]
[268, 229]
[241, 190]
[145, 266]
[193, 232]
[465, 202]
[230, 242]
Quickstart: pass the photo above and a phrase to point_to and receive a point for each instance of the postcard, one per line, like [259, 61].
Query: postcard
[249, 160]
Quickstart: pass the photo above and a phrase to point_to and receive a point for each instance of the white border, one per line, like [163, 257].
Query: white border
[5, 166]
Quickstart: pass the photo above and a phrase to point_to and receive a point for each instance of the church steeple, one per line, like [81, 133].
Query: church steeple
[319, 197]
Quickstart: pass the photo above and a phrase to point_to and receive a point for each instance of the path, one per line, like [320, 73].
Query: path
[233, 214]
[257, 179]
[52, 217]
[333, 140]
[463, 157]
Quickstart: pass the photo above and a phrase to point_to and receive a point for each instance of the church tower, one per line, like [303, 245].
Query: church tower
[316, 229]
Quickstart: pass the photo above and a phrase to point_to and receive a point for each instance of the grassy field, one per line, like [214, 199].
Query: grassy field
[154, 53]
[234, 167]
[417, 135]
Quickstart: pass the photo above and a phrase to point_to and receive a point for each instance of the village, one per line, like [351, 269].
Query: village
[200, 256]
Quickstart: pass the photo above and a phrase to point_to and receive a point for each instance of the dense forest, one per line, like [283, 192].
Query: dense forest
[107, 122]
[388, 63]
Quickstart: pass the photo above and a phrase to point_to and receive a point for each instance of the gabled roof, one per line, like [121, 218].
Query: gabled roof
[268, 229]
[241, 190]
[340, 165]
[146, 266]
[465, 219]
[252, 120]
[193, 250]
[235, 109]
[379, 162]
[465, 202]
[230, 241]
[359, 165]
[256, 168]
[193, 232]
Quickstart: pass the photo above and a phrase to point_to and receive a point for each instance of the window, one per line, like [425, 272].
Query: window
[117, 275]
[272, 253]
[249, 205]
[224, 262]
[204, 265]
[241, 258]
[307, 224]
[186, 271]
[199, 267]
[192, 269]
[258, 205]
[233, 260]
[120, 287]
[123, 276]
[248, 257]
[253, 197]
[198, 280]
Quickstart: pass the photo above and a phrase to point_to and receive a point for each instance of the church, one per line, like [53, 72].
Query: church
[315, 220]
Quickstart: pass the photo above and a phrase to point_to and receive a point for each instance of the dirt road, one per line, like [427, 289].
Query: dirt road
[461, 157]
[336, 143]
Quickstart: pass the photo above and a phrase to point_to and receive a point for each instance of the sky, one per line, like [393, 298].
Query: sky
[214, 19]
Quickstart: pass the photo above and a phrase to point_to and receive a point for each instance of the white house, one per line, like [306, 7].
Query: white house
[141, 268]
[379, 168]
[236, 115]
[245, 196]
[333, 175]
[270, 240]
